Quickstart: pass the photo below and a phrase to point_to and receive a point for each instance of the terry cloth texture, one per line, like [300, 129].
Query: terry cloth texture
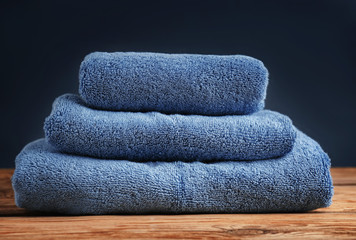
[173, 83]
[47, 180]
[73, 127]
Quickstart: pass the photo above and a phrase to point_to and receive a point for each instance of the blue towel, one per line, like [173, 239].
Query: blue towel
[173, 83]
[47, 180]
[73, 127]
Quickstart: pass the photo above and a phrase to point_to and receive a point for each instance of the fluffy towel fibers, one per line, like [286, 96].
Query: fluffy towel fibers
[47, 180]
[173, 83]
[73, 127]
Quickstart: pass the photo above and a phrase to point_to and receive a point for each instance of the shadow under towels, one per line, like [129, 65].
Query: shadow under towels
[47, 180]
[73, 127]
[173, 83]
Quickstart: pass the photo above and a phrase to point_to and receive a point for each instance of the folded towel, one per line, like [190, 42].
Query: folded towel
[73, 127]
[47, 180]
[173, 83]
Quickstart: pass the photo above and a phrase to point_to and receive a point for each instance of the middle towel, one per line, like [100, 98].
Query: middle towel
[75, 128]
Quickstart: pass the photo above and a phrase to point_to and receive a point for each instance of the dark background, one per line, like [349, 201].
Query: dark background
[309, 48]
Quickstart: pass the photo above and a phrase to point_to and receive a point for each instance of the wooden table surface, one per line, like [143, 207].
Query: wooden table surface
[337, 221]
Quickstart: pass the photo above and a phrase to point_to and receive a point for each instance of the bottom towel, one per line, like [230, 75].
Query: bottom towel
[47, 180]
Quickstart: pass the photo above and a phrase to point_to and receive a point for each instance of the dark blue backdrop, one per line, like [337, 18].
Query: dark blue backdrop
[308, 46]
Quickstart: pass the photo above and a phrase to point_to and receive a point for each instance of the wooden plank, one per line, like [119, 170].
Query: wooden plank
[337, 221]
[343, 176]
[223, 226]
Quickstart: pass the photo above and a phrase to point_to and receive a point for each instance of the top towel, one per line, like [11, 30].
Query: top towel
[173, 83]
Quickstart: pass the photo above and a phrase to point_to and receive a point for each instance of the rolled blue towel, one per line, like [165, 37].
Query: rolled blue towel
[47, 180]
[173, 83]
[73, 127]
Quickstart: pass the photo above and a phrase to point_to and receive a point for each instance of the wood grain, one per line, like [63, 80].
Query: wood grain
[344, 176]
[337, 221]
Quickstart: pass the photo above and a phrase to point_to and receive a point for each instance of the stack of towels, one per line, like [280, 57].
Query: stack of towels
[170, 133]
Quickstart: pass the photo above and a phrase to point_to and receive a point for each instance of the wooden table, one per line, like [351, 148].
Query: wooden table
[337, 221]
